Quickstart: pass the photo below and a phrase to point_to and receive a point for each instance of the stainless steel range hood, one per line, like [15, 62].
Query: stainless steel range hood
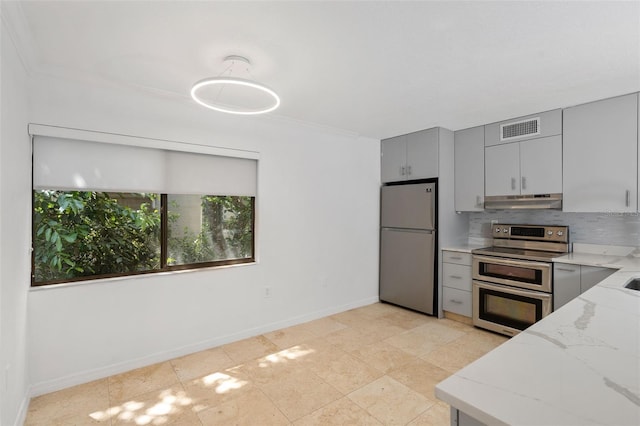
[513, 202]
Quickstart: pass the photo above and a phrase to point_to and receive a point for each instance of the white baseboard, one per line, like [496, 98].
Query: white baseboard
[21, 417]
[121, 367]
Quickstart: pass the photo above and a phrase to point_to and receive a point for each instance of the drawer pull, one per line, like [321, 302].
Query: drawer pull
[456, 257]
[457, 277]
[455, 301]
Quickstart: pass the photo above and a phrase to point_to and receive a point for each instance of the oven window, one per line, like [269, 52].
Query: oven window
[514, 273]
[509, 309]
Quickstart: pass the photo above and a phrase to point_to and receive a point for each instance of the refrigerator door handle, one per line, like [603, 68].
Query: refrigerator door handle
[410, 230]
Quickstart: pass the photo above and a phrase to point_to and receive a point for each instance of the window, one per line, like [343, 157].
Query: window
[85, 234]
[88, 234]
[103, 210]
[209, 228]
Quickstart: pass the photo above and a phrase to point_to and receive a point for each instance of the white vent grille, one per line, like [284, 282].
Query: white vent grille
[518, 129]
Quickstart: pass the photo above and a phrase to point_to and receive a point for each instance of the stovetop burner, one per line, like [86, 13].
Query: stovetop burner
[527, 242]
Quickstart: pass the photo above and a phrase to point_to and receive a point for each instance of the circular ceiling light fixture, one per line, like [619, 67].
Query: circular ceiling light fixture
[234, 91]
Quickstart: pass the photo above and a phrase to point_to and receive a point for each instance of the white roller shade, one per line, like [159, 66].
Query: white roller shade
[71, 164]
[68, 164]
[189, 173]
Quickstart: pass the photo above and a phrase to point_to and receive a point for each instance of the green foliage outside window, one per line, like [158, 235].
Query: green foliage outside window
[224, 231]
[83, 234]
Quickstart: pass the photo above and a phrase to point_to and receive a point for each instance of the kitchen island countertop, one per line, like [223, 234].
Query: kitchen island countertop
[577, 366]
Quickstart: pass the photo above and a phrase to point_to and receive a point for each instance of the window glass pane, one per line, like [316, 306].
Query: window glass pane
[84, 233]
[206, 228]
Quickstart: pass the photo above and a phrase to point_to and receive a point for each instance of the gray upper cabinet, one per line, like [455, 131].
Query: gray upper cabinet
[541, 166]
[394, 159]
[409, 157]
[523, 168]
[502, 169]
[523, 156]
[600, 156]
[469, 169]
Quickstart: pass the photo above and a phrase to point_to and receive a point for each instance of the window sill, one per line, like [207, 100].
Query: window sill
[151, 275]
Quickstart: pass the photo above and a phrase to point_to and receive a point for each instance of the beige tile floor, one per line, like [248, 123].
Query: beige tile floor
[375, 365]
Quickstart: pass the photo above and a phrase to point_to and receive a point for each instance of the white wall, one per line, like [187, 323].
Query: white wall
[15, 233]
[317, 240]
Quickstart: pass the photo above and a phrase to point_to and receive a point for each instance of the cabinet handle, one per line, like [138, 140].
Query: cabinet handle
[455, 257]
[455, 301]
[478, 201]
[524, 182]
[457, 277]
[513, 183]
[566, 269]
[627, 198]
[402, 171]
[409, 170]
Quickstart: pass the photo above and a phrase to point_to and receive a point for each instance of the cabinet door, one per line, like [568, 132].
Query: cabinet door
[592, 275]
[600, 155]
[469, 169]
[566, 283]
[502, 169]
[541, 166]
[394, 159]
[422, 154]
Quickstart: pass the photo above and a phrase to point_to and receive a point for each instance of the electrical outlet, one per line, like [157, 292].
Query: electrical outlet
[267, 292]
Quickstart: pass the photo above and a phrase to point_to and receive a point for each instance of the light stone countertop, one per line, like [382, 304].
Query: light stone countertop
[627, 263]
[578, 366]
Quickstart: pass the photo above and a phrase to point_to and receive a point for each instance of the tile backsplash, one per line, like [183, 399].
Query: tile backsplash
[622, 229]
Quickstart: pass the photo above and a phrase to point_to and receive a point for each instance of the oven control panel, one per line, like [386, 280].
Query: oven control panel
[559, 234]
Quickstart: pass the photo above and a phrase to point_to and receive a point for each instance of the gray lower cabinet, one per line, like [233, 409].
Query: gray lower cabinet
[592, 275]
[456, 282]
[569, 281]
[458, 418]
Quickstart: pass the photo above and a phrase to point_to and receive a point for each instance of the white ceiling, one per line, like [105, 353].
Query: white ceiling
[375, 68]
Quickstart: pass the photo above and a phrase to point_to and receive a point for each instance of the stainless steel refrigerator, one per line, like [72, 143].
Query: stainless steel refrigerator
[407, 245]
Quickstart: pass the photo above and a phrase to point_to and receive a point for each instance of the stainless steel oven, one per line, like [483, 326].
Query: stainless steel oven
[508, 310]
[518, 273]
[513, 279]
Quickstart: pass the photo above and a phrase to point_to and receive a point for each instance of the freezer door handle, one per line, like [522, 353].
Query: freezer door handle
[410, 230]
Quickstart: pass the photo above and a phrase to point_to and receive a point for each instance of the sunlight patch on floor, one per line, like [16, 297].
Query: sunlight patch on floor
[284, 356]
[146, 413]
[223, 382]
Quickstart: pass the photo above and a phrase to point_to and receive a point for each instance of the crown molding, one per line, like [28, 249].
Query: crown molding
[15, 22]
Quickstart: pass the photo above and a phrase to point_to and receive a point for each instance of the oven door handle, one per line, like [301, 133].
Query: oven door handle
[512, 290]
[520, 263]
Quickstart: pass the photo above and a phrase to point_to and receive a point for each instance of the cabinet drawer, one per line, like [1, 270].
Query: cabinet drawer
[456, 257]
[456, 301]
[456, 276]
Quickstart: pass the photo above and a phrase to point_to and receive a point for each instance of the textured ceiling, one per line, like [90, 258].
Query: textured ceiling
[375, 68]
